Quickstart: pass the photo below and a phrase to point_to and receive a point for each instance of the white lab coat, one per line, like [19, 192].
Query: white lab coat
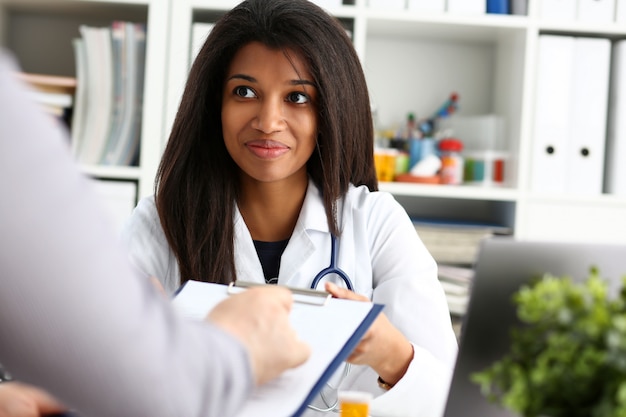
[379, 250]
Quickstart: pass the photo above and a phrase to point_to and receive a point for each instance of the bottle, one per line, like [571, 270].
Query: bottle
[451, 161]
[414, 142]
[354, 403]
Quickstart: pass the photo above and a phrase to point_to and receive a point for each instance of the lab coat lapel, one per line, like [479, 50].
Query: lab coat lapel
[247, 263]
[301, 246]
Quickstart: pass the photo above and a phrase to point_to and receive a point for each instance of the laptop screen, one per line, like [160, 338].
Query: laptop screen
[503, 265]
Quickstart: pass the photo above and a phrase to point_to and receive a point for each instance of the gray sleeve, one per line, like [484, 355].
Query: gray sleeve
[74, 318]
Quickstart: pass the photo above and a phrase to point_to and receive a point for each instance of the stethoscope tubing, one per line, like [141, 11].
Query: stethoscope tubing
[332, 268]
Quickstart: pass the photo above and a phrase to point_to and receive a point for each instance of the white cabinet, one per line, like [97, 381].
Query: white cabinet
[599, 220]
[412, 60]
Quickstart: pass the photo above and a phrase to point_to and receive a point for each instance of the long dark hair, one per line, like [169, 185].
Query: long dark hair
[197, 182]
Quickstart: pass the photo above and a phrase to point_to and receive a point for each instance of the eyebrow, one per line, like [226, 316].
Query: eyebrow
[254, 80]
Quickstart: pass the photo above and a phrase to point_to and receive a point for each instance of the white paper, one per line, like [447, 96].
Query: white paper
[325, 328]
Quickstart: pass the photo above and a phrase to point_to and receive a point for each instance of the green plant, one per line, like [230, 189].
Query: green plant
[568, 356]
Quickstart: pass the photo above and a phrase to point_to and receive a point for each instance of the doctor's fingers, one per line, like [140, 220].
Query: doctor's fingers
[370, 346]
[360, 354]
[375, 346]
[22, 400]
[338, 292]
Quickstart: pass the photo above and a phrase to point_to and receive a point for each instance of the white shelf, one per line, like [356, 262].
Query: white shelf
[74, 7]
[451, 191]
[112, 172]
[604, 200]
[583, 28]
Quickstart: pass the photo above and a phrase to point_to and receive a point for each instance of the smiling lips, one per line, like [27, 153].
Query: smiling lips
[267, 149]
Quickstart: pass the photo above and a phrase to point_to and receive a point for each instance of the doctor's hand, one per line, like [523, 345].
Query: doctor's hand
[259, 318]
[383, 347]
[22, 400]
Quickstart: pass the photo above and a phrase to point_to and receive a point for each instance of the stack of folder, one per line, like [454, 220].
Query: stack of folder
[570, 115]
[110, 65]
[589, 11]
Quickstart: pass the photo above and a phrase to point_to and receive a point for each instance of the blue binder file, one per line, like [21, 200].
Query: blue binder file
[332, 327]
[498, 6]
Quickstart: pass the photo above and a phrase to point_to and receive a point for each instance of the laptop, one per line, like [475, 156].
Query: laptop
[502, 266]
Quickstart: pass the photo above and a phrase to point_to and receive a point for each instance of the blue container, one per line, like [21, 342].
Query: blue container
[415, 151]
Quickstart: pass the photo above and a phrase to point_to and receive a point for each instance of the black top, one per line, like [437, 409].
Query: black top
[269, 254]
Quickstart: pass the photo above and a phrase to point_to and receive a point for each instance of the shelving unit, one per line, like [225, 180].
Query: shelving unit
[40, 33]
[412, 61]
[496, 74]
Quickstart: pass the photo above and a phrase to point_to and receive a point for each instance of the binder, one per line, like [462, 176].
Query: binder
[551, 119]
[596, 11]
[122, 146]
[427, 5]
[332, 327]
[620, 11]
[80, 97]
[588, 116]
[519, 7]
[386, 4]
[616, 140]
[562, 10]
[99, 99]
[471, 7]
[498, 7]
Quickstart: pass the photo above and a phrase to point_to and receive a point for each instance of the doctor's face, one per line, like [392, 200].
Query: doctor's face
[269, 117]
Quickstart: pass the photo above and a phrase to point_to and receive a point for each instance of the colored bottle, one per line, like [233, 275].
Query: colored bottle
[451, 161]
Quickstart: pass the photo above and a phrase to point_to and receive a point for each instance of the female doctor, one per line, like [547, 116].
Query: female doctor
[268, 176]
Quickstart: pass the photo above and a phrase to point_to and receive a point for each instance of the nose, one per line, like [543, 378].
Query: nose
[270, 117]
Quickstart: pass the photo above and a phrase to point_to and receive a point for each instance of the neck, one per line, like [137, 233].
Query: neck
[271, 210]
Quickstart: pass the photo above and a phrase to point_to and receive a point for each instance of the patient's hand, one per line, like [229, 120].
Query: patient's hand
[22, 400]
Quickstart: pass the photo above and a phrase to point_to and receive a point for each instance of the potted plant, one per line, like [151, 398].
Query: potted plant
[568, 356]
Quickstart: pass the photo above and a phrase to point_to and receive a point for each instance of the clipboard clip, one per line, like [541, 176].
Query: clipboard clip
[300, 295]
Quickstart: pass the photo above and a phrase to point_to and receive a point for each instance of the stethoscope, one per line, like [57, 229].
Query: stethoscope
[332, 268]
[331, 405]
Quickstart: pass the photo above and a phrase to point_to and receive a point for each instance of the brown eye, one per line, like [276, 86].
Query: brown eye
[298, 97]
[243, 91]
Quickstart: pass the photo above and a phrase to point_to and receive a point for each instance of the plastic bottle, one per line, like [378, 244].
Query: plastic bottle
[451, 161]
[354, 403]
[413, 140]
